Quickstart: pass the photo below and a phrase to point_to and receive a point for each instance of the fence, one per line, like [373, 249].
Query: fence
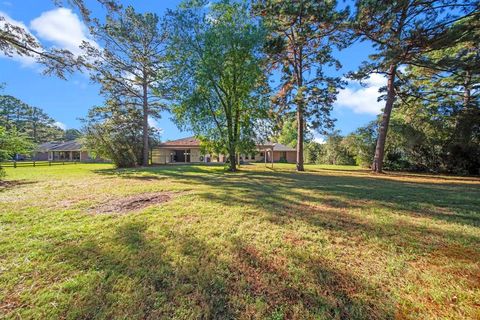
[18, 164]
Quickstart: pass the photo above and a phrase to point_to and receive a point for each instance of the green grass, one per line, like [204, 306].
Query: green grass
[329, 243]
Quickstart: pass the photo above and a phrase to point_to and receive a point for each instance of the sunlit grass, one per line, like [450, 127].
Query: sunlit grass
[263, 243]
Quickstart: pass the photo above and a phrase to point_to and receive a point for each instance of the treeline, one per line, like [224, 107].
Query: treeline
[210, 63]
[424, 144]
[31, 122]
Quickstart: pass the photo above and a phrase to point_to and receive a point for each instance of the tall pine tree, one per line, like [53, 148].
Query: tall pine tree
[131, 63]
[402, 32]
[302, 37]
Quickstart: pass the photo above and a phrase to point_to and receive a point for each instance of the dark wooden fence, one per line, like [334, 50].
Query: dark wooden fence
[18, 164]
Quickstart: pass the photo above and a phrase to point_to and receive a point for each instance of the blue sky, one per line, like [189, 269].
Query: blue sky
[67, 101]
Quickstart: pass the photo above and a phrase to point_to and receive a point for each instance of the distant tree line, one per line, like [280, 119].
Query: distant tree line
[209, 64]
[33, 122]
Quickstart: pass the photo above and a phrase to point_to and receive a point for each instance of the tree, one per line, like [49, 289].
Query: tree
[288, 133]
[131, 63]
[32, 121]
[220, 92]
[335, 151]
[12, 142]
[16, 41]
[302, 37]
[449, 99]
[72, 134]
[115, 131]
[403, 32]
[313, 152]
[361, 144]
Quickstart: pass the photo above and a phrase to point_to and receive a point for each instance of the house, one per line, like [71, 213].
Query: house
[187, 150]
[64, 151]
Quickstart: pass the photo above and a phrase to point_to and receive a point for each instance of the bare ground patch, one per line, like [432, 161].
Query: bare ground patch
[8, 184]
[134, 202]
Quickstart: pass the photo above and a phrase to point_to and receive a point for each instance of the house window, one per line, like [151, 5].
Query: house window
[253, 156]
[284, 155]
[246, 157]
[262, 154]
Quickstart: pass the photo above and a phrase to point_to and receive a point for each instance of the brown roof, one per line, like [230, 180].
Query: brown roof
[185, 142]
[74, 145]
[282, 147]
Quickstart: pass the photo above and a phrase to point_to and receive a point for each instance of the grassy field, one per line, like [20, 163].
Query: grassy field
[194, 242]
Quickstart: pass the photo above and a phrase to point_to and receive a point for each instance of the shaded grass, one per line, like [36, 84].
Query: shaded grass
[330, 243]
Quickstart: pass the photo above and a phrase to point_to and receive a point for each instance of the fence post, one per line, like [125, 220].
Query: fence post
[49, 163]
[14, 163]
[34, 163]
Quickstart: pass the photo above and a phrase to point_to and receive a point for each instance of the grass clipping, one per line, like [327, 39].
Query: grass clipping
[133, 202]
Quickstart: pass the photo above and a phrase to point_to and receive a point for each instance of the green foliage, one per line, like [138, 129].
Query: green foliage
[313, 152]
[335, 151]
[115, 132]
[12, 143]
[130, 66]
[72, 134]
[32, 121]
[440, 107]
[302, 35]
[288, 133]
[404, 33]
[361, 144]
[216, 62]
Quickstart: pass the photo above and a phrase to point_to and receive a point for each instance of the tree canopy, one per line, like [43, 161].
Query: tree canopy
[131, 64]
[403, 32]
[217, 61]
[31, 121]
[302, 36]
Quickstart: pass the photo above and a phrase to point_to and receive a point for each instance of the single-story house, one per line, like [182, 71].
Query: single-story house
[64, 151]
[187, 150]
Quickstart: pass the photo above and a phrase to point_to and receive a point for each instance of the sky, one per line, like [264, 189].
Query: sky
[67, 101]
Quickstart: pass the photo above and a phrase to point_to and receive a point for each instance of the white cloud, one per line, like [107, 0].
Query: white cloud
[6, 19]
[63, 28]
[362, 99]
[319, 139]
[153, 123]
[61, 125]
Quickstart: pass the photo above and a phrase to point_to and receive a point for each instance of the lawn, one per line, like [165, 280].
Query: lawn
[194, 242]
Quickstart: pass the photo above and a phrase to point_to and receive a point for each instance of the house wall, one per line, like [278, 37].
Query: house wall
[248, 157]
[41, 156]
[163, 155]
[291, 156]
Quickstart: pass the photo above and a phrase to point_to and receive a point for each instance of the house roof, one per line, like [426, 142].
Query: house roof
[74, 145]
[44, 147]
[282, 147]
[185, 142]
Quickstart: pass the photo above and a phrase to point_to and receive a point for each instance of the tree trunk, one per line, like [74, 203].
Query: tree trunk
[300, 128]
[377, 165]
[463, 120]
[146, 150]
[233, 158]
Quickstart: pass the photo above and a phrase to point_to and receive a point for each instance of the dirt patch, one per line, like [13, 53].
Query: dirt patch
[134, 202]
[8, 184]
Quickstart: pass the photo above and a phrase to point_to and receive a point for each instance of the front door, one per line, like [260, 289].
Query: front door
[179, 155]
